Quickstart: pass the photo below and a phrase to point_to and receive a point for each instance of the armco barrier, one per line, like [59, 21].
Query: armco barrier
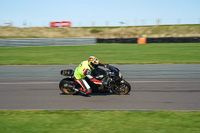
[153, 40]
[117, 40]
[46, 42]
[174, 40]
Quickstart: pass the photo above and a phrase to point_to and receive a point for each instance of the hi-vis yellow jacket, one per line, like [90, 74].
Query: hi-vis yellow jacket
[81, 69]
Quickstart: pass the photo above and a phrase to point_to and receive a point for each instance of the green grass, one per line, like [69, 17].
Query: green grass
[99, 121]
[164, 53]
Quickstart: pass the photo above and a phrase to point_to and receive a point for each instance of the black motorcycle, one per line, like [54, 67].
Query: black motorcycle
[112, 80]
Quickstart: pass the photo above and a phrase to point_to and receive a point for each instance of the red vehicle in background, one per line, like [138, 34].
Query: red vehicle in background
[60, 24]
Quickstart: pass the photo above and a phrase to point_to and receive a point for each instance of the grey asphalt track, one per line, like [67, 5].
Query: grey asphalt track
[154, 87]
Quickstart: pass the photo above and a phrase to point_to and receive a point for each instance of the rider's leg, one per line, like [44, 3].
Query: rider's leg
[85, 86]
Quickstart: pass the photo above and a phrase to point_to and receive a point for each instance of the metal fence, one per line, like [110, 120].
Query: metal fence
[107, 23]
[46, 42]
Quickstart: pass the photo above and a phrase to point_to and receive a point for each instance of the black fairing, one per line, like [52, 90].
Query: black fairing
[116, 72]
[108, 77]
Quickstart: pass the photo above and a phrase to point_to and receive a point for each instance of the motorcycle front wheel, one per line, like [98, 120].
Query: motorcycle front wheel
[67, 87]
[121, 89]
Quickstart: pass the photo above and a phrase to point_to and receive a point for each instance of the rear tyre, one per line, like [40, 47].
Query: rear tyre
[121, 89]
[66, 86]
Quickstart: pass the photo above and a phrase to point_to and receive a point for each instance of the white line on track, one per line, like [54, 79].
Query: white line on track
[24, 83]
[163, 81]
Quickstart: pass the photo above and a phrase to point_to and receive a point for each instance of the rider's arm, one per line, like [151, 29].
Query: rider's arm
[102, 64]
[88, 74]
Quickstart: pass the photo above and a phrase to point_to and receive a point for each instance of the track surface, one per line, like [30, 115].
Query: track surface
[154, 87]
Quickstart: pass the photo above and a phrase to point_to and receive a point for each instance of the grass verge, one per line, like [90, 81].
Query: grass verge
[164, 53]
[85, 121]
[154, 31]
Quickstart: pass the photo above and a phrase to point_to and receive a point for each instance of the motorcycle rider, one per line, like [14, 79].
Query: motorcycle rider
[84, 70]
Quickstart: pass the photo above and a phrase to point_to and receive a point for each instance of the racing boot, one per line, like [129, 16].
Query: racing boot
[85, 92]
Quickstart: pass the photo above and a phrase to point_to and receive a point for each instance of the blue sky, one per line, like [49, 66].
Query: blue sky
[99, 12]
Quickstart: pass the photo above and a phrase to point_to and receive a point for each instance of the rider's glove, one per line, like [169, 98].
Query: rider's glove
[96, 81]
[106, 65]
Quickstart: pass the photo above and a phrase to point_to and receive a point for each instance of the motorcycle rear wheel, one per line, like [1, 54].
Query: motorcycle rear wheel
[64, 87]
[121, 89]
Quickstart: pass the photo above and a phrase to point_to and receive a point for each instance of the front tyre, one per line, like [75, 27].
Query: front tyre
[121, 89]
[67, 87]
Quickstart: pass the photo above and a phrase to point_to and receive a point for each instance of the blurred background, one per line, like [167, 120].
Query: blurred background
[99, 19]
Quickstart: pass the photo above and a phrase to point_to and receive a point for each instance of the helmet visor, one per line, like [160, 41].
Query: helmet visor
[96, 61]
